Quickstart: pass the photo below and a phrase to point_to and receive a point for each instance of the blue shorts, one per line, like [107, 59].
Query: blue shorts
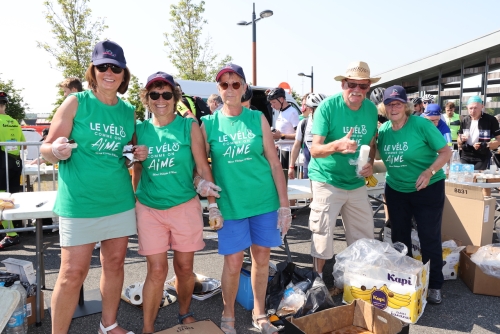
[239, 234]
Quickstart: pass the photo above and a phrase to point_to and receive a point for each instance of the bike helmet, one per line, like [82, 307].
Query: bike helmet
[4, 97]
[377, 96]
[248, 94]
[428, 98]
[314, 99]
[416, 100]
[276, 93]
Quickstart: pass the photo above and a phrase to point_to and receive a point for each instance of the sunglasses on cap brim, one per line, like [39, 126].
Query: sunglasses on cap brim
[104, 67]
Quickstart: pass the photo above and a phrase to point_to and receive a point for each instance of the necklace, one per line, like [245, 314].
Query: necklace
[406, 120]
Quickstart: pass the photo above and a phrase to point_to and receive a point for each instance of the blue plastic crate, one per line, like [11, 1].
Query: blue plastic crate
[245, 293]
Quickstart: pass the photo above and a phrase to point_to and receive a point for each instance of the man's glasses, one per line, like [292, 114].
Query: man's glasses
[104, 67]
[3, 102]
[353, 85]
[427, 102]
[166, 95]
[225, 85]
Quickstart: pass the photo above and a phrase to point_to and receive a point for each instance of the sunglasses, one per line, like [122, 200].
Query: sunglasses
[166, 95]
[225, 85]
[3, 102]
[395, 105]
[353, 85]
[104, 67]
[427, 102]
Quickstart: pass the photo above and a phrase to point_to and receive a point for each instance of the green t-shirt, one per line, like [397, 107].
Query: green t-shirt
[409, 151]
[454, 125]
[167, 173]
[333, 120]
[94, 181]
[239, 165]
[10, 131]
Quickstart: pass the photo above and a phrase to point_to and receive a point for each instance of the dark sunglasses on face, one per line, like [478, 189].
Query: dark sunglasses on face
[104, 67]
[353, 85]
[225, 85]
[166, 95]
[3, 102]
[427, 102]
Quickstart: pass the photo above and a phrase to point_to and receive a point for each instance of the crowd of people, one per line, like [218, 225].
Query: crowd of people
[169, 154]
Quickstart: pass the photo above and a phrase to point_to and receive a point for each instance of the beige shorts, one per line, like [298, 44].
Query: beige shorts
[328, 202]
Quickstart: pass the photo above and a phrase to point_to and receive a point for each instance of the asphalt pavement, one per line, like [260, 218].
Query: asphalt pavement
[460, 312]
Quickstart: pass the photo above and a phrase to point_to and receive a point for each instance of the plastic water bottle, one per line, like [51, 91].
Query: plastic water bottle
[18, 323]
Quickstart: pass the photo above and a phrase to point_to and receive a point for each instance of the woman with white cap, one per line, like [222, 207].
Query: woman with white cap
[414, 152]
[169, 213]
[95, 200]
[254, 200]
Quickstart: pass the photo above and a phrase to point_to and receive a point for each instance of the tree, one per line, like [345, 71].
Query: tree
[193, 59]
[75, 35]
[16, 107]
[297, 97]
[133, 96]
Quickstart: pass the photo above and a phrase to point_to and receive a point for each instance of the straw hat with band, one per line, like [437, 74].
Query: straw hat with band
[357, 70]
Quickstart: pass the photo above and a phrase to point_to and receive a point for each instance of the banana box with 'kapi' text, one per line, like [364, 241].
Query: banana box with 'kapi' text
[403, 295]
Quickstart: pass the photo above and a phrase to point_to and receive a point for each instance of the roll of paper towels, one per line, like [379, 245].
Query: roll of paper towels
[364, 152]
[134, 293]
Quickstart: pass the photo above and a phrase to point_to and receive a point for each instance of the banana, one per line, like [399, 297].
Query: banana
[371, 181]
[362, 294]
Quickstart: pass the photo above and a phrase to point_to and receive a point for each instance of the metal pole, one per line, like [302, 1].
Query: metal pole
[485, 82]
[461, 85]
[312, 80]
[254, 49]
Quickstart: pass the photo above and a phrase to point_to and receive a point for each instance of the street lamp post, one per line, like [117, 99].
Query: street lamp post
[263, 15]
[309, 76]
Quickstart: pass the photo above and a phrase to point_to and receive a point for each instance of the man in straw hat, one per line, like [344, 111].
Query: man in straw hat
[342, 123]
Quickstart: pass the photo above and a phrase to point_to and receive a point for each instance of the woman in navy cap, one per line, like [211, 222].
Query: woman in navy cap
[169, 214]
[254, 200]
[414, 152]
[95, 200]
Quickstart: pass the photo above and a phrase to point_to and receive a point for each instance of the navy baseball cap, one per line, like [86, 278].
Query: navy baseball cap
[231, 68]
[433, 109]
[395, 93]
[160, 76]
[108, 52]
[4, 97]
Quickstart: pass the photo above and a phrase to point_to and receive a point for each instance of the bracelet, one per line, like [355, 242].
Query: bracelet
[196, 178]
[291, 167]
[213, 205]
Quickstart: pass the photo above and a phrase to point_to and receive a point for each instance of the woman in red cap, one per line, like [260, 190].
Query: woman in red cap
[254, 200]
[95, 200]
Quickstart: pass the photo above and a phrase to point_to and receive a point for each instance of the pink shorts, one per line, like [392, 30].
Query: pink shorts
[179, 228]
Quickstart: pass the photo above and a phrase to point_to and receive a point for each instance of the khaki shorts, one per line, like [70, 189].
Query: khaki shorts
[328, 202]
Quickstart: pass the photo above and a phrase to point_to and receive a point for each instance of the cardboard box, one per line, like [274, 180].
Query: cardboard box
[31, 308]
[468, 215]
[23, 268]
[477, 281]
[199, 327]
[358, 314]
[400, 294]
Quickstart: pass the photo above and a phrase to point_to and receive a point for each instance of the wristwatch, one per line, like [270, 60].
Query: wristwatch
[433, 172]
[282, 136]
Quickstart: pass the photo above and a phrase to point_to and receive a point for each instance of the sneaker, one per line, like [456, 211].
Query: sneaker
[434, 296]
[97, 245]
[9, 241]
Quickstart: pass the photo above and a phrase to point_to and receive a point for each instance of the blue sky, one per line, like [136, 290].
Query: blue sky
[326, 34]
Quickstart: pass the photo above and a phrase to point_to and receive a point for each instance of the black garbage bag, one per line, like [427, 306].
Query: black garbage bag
[317, 299]
[287, 272]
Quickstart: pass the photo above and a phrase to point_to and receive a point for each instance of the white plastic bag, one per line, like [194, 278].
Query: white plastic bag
[293, 299]
[371, 252]
[488, 259]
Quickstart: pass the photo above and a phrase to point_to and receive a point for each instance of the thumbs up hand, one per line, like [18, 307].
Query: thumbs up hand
[346, 144]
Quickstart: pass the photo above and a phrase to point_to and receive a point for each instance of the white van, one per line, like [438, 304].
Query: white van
[204, 89]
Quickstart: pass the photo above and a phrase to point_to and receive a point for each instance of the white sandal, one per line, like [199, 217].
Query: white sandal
[105, 330]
